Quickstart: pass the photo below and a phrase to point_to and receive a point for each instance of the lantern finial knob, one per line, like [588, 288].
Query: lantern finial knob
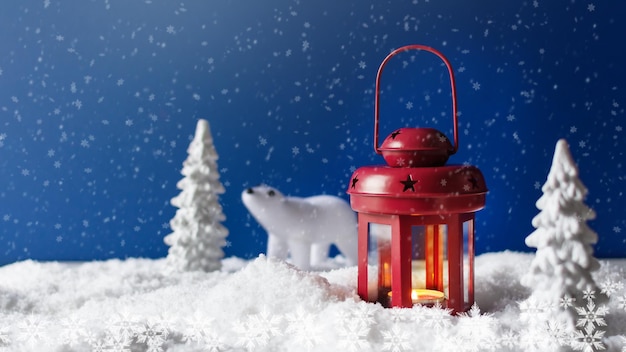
[416, 147]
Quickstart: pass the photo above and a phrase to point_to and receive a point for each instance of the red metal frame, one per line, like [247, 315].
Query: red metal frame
[401, 258]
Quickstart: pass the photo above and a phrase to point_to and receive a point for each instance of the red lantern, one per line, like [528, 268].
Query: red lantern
[416, 216]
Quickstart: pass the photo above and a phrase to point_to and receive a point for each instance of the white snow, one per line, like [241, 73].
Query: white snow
[266, 305]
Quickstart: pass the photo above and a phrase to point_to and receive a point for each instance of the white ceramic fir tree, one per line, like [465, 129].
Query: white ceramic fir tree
[198, 236]
[564, 259]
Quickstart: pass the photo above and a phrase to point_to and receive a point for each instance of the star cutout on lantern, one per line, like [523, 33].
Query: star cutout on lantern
[354, 181]
[409, 184]
[395, 134]
[473, 181]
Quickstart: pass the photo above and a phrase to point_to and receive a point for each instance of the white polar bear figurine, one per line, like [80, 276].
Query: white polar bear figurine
[304, 228]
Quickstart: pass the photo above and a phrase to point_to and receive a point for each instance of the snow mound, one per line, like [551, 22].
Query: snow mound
[265, 305]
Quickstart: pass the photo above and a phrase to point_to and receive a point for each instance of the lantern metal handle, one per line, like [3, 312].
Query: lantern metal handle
[455, 146]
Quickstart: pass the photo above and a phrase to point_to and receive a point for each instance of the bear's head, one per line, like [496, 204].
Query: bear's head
[260, 197]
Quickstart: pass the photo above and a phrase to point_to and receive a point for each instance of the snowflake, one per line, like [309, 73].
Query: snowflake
[438, 317]
[409, 105]
[256, 330]
[510, 117]
[398, 314]
[123, 326]
[591, 7]
[573, 129]
[120, 82]
[213, 342]
[362, 64]
[365, 313]
[111, 343]
[353, 336]
[567, 302]
[534, 311]
[305, 45]
[170, 29]
[129, 122]
[558, 332]
[443, 182]
[476, 86]
[588, 340]
[31, 330]
[508, 339]
[591, 315]
[476, 330]
[295, 151]
[589, 294]
[395, 339]
[609, 287]
[196, 328]
[617, 229]
[303, 327]
[537, 338]
[153, 334]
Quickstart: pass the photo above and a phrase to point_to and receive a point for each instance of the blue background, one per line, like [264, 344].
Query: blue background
[99, 100]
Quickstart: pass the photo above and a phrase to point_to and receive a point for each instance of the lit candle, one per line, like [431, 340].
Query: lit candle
[424, 296]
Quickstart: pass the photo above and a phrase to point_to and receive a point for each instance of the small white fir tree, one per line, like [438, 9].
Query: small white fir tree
[198, 235]
[561, 269]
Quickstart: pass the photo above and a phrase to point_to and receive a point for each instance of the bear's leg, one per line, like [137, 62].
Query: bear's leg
[348, 246]
[300, 254]
[319, 253]
[277, 247]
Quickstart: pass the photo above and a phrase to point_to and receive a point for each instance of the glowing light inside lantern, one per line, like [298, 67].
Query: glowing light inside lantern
[425, 296]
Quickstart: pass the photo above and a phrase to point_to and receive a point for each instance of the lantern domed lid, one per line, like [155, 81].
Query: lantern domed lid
[418, 190]
[416, 147]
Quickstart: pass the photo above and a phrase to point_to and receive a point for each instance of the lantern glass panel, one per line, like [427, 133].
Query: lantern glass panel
[468, 265]
[429, 257]
[379, 262]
